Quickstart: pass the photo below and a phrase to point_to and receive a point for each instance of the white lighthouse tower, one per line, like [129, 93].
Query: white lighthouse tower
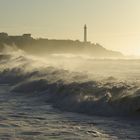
[85, 33]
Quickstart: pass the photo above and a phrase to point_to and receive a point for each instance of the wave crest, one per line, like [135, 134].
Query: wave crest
[70, 91]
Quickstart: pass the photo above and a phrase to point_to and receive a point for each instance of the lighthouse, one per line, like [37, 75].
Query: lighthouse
[85, 33]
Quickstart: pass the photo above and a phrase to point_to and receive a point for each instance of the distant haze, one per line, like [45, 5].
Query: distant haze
[115, 24]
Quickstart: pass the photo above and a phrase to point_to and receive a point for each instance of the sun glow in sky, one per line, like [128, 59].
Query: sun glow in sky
[115, 24]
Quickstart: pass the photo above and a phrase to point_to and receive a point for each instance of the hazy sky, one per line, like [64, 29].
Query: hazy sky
[115, 24]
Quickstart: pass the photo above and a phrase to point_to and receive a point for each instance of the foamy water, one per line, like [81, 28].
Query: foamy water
[37, 94]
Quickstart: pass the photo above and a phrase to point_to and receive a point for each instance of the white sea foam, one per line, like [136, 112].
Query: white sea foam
[106, 89]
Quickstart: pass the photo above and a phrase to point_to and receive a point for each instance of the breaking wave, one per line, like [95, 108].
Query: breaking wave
[67, 90]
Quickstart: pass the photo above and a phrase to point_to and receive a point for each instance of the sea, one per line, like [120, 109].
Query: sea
[68, 97]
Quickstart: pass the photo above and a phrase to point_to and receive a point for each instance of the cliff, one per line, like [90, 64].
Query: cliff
[46, 46]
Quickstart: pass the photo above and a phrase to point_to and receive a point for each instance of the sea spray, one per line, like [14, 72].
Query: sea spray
[66, 89]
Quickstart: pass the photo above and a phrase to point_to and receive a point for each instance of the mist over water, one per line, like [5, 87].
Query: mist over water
[81, 84]
[75, 83]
